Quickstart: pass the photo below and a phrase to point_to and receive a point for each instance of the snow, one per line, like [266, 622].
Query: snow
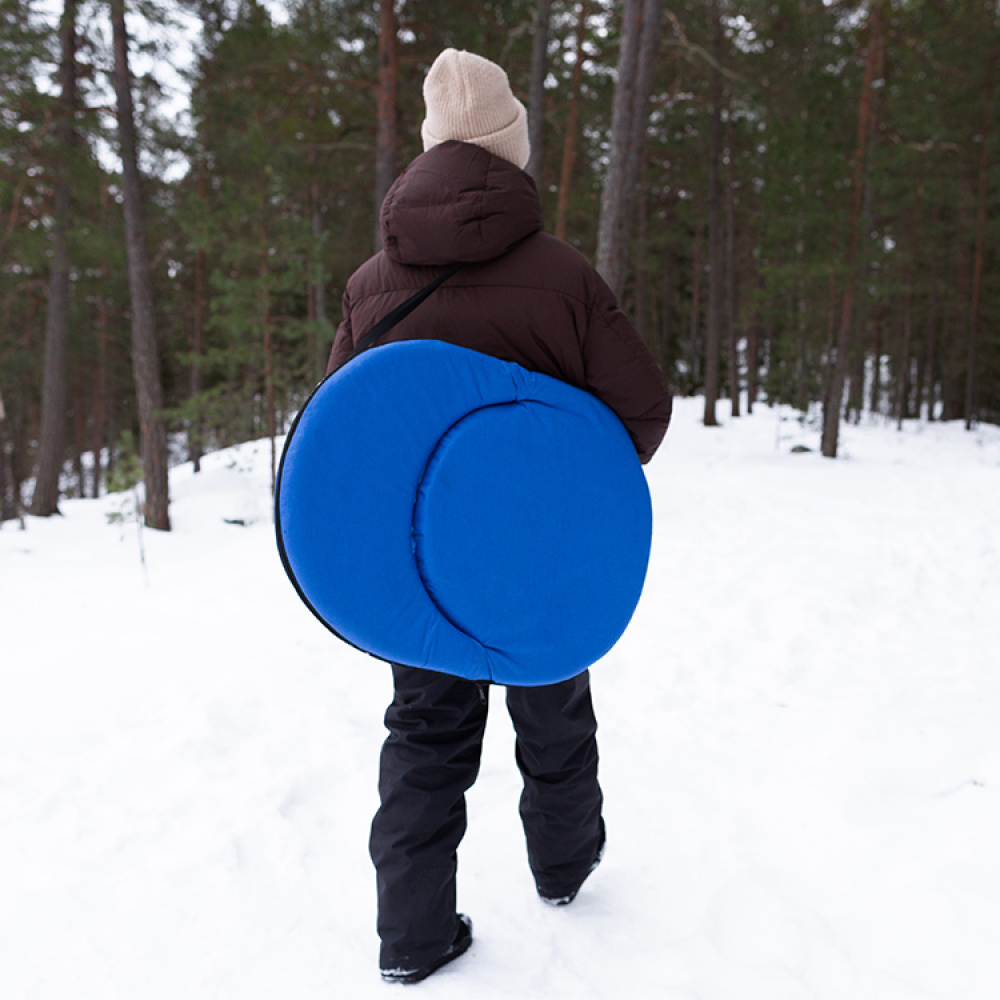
[800, 750]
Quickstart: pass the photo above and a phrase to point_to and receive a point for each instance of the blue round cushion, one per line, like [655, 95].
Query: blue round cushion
[440, 508]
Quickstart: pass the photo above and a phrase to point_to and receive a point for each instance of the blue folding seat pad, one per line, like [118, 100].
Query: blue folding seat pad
[440, 508]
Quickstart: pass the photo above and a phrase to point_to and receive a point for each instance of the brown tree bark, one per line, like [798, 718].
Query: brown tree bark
[572, 120]
[875, 399]
[733, 340]
[9, 496]
[385, 103]
[833, 403]
[927, 392]
[972, 362]
[145, 361]
[902, 400]
[753, 354]
[79, 414]
[694, 345]
[955, 330]
[665, 332]
[195, 443]
[536, 89]
[101, 408]
[641, 27]
[642, 309]
[52, 438]
[611, 225]
[649, 48]
[716, 253]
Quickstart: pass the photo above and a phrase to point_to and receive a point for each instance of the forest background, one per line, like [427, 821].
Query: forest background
[795, 200]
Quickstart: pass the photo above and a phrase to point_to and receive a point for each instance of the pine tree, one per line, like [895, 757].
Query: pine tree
[45, 499]
[716, 236]
[145, 357]
[25, 198]
[536, 90]
[835, 395]
[641, 28]
[388, 82]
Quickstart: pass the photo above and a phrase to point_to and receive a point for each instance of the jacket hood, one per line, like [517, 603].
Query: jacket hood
[458, 202]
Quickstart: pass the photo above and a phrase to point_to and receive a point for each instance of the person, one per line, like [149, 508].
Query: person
[522, 296]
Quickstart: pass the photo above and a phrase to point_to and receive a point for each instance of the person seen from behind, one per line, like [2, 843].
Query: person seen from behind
[526, 297]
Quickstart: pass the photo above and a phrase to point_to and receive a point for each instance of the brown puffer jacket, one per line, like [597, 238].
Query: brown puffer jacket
[522, 295]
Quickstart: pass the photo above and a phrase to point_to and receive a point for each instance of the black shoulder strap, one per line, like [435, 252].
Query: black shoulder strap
[387, 322]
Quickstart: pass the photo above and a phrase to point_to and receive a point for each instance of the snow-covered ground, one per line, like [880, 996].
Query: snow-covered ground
[800, 740]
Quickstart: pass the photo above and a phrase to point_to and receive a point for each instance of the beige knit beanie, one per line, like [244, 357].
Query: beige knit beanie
[469, 98]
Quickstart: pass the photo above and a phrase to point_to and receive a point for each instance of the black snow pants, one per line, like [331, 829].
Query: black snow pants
[431, 758]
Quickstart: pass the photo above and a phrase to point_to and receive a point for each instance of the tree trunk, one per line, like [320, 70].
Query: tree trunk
[641, 285]
[665, 334]
[972, 363]
[929, 379]
[652, 29]
[694, 346]
[45, 499]
[716, 258]
[99, 416]
[195, 442]
[611, 225]
[875, 400]
[385, 102]
[569, 140]
[903, 363]
[79, 440]
[9, 498]
[145, 362]
[536, 89]
[866, 312]
[641, 26]
[733, 354]
[753, 343]
[834, 401]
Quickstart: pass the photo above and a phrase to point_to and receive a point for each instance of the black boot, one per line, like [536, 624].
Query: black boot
[463, 938]
[567, 896]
